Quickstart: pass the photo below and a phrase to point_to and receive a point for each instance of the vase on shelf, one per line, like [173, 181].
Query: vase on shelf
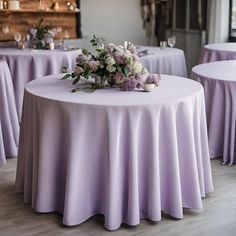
[41, 5]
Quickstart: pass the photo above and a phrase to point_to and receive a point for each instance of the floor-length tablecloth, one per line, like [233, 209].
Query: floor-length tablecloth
[170, 61]
[218, 52]
[26, 65]
[9, 122]
[219, 82]
[126, 155]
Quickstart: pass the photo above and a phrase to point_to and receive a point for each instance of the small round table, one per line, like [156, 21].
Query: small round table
[9, 122]
[126, 155]
[218, 52]
[219, 82]
[169, 61]
[26, 65]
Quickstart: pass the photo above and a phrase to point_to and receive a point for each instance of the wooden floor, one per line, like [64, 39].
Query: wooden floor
[217, 219]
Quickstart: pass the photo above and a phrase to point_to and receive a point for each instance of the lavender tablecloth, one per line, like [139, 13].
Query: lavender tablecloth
[170, 61]
[219, 82]
[26, 65]
[9, 123]
[126, 155]
[218, 52]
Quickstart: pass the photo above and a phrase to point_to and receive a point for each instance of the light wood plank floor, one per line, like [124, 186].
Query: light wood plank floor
[217, 219]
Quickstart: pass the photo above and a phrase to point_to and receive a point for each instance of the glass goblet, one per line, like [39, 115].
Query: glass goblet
[171, 41]
[17, 37]
[66, 34]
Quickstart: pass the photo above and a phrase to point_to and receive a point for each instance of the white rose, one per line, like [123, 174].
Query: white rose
[144, 71]
[111, 68]
[110, 61]
[137, 67]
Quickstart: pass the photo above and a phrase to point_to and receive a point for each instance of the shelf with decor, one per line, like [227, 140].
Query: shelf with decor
[39, 11]
[28, 14]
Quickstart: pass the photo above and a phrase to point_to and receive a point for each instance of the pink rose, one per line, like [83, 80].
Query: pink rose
[119, 57]
[93, 65]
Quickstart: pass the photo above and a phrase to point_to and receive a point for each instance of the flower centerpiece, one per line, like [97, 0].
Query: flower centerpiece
[42, 35]
[112, 66]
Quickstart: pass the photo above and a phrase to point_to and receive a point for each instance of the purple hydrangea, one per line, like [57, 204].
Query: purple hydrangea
[33, 32]
[48, 40]
[129, 84]
[93, 65]
[119, 57]
[119, 77]
[153, 79]
[140, 80]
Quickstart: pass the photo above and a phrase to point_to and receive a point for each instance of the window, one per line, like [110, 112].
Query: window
[232, 22]
[190, 14]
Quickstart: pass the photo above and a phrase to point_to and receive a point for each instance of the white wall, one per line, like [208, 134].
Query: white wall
[114, 20]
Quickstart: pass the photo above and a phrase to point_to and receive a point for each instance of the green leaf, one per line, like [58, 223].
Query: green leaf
[86, 52]
[119, 68]
[66, 76]
[76, 80]
[126, 71]
[86, 73]
[73, 75]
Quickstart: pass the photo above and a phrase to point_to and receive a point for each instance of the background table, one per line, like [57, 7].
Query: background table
[26, 65]
[9, 123]
[126, 155]
[170, 61]
[218, 52]
[219, 82]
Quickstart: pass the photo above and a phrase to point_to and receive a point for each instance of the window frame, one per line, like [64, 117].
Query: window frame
[232, 33]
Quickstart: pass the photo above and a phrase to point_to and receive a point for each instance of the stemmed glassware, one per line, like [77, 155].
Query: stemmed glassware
[171, 41]
[66, 34]
[41, 5]
[17, 37]
[66, 37]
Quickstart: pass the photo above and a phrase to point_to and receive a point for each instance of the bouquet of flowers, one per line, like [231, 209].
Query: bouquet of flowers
[113, 66]
[41, 36]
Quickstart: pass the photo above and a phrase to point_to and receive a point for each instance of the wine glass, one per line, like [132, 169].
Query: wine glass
[5, 29]
[66, 37]
[171, 41]
[41, 5]
[17, 37]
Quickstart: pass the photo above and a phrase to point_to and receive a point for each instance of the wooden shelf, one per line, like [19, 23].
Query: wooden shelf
[29, 15]
[38, 11]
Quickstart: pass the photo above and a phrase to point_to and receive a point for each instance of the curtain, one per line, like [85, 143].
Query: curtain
[156, 15]
[218, 21]
[148, 16]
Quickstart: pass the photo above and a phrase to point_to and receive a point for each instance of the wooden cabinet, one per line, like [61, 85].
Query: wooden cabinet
[29, 14]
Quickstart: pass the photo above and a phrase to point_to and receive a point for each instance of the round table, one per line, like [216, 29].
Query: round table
[126, 155]
[170, 61]
[219, 82]
[218, 52]
[9, 123]
[26, 65]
